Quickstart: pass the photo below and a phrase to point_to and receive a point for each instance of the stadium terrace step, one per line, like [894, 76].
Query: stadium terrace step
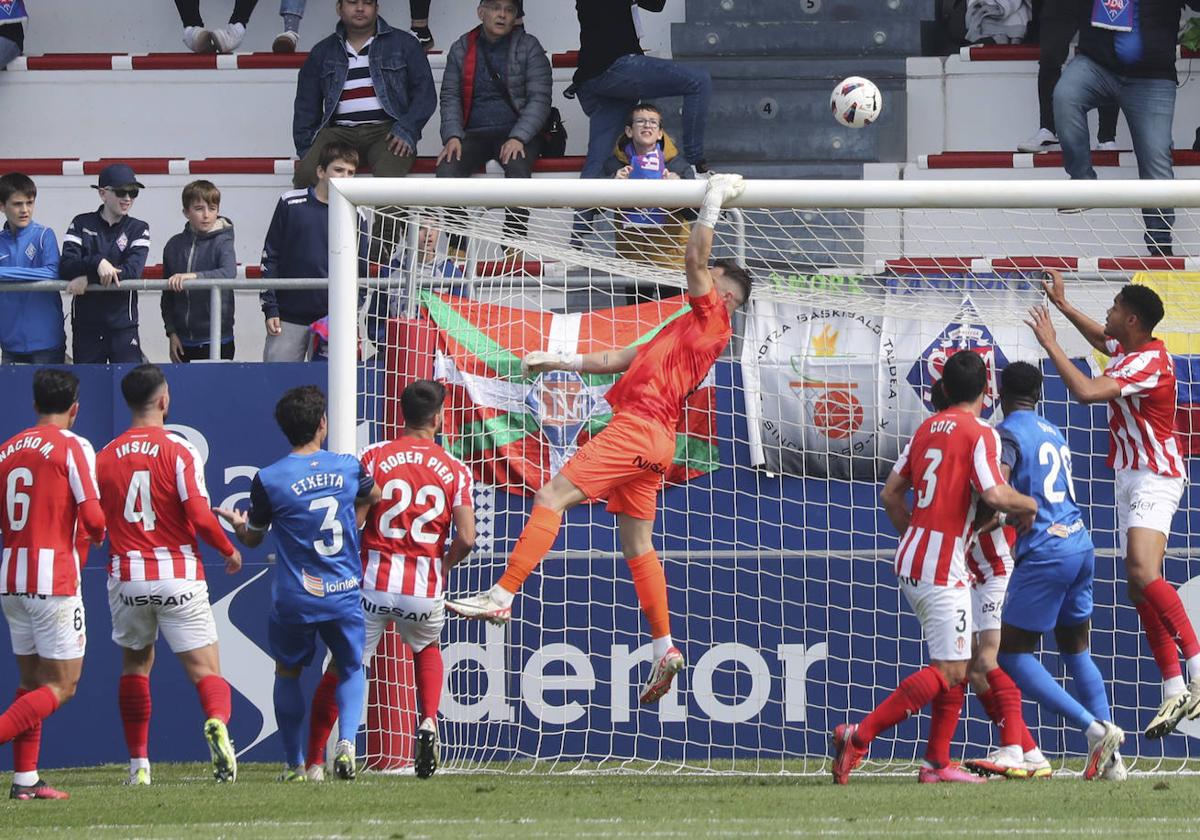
[1029, 52]
[203, 61]
[953, 266]
[228, 166]
[738, 11]
[1041, 160]
[807, 38]
[483, 268]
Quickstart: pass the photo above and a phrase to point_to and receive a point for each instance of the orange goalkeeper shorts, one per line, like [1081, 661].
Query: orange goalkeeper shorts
[626, 463]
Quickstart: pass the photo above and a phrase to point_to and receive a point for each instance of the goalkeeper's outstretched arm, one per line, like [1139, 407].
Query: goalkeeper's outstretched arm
[603, 361]
[721, 188]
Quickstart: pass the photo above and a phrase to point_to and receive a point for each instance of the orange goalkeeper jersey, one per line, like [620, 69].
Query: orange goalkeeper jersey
[673, 363]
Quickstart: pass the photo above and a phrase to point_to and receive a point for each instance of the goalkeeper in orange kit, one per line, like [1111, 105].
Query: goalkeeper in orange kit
[627, 460]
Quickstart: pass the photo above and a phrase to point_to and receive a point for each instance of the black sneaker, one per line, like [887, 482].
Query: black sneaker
[37, 790]
[426, 760]
[424, 37]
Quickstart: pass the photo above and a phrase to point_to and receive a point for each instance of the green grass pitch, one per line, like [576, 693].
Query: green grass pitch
[184, 802]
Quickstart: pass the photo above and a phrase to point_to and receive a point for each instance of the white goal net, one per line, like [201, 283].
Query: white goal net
[777, 554]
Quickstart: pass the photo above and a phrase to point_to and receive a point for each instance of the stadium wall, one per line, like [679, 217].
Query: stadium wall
[780, 643]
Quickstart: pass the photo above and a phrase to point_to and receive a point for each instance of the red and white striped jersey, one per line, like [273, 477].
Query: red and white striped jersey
[990, 554]
[1142, 420]
[405, 536]
[46, 474]
[146, 476]
[952, 455]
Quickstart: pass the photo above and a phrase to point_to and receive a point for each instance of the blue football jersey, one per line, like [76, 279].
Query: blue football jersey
[1036, 452]
[309, 502]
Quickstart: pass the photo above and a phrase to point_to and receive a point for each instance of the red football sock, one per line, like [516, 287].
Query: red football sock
[533, 544]
[650, 582]
[1162, 646]
[26, 712]
[1174, 617]
[1003, 703]
[133, 695]
[913, 694]
[324, 716]
[947, 707]
[214, 697]
[27, 745]
[429, 670]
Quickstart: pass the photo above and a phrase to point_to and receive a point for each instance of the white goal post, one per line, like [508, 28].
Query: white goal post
[777, 555]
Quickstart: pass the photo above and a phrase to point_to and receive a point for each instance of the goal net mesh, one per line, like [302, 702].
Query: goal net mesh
[777, 555]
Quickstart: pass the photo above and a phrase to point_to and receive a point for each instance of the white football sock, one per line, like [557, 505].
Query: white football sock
[1094, 732]
[138, 763]
[1035, 756]
[27, 778]
[661, 645]
[501, 596]
[1173, 687]
[1193, 667]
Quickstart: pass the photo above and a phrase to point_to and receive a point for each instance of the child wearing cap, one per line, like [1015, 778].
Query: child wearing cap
[106, 248]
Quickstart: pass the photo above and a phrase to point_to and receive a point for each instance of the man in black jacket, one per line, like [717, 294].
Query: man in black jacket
[106, 248]
[1126, 56]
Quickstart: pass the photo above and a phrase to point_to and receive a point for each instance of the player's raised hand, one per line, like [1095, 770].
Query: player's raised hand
[539, 361]
[233, 563]
[1052, 285]
[724, 187]
[1043, 328]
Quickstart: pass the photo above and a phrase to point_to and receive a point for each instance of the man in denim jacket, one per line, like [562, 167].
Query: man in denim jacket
[367, 85]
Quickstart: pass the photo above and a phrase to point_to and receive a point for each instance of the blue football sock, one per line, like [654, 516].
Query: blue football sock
[351, 689]
[289, 717]
[1035, 682]
[1089, 685]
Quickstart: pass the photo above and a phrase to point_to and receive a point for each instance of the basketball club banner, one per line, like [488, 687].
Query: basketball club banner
[516, 431]
[836, 393]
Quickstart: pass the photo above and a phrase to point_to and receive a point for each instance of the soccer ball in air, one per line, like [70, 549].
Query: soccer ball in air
[856, 102]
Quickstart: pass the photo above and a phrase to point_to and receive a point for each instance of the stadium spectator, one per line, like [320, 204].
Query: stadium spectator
[31, 323]
[12, 31]
[495, 99]
[51, 528]
[368, 85]
[297, 245]
[997, 21]
[103, 248]
[645, 151]
[313, 503]
[614, 75]
[225, 39]
[293, 10]
[1125, 57]
[1058, 25]
[202, 251]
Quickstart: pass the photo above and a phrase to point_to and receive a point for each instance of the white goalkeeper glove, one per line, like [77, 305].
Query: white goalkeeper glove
[539, 361]
[721, 188]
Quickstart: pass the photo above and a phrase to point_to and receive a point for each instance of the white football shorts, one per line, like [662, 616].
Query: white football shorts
[52, 626]
[987, 601]
[945, 616]
[1146, 499]
[180, 608]
[418, 620]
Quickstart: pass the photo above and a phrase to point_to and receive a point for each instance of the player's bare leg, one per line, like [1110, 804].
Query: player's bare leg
[1018, 757]
[203, 667]
[1168, 629]
[61, 676]
[637, 546]
[133, 696]
[549, 505]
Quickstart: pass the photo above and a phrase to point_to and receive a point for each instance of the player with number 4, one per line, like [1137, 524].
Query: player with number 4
[155, 502]
[952, 457]
[315, 501]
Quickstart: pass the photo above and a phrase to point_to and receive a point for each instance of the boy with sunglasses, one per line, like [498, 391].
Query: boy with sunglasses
[106, 248]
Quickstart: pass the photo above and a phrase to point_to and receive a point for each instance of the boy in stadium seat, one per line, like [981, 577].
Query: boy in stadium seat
[952, 456]
[225, 39]
[405, 562]
[645, 151]
[104, 248]
[202, 251]
[1140, 388]
[314, 500]
[292, 10]
[50, 512]
[297, 245]
[367, 85]
[31, 323]
[626, 461]
[155, 501]
[495, 99]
